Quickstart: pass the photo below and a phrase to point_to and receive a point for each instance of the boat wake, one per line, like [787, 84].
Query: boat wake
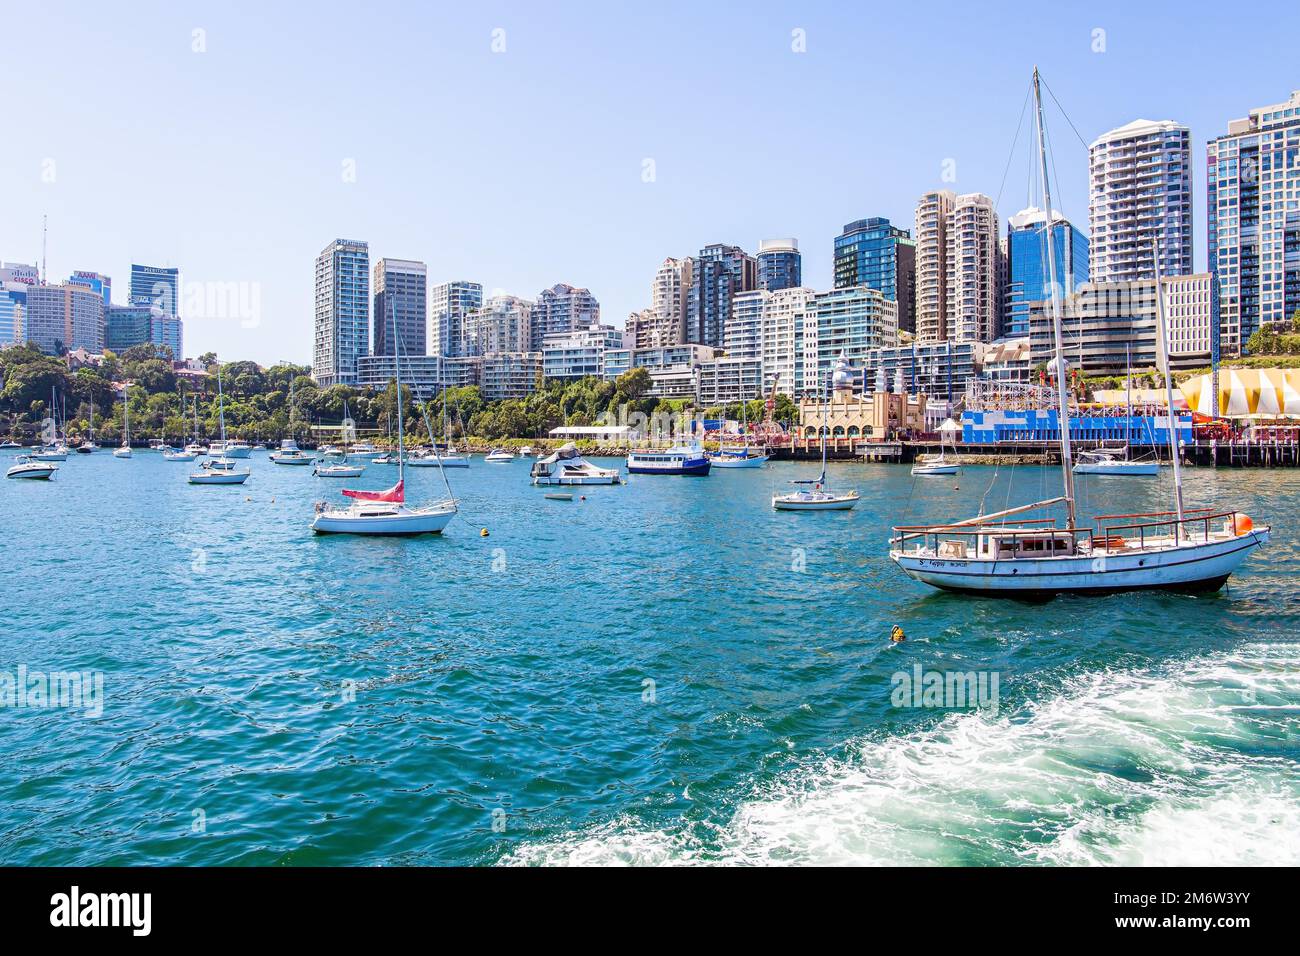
[1191, 764]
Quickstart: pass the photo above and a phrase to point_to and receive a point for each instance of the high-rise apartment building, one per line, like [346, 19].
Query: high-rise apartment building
[744, 335]
[782, 329]
[400, 293]
[668, 298]
[1026, 266]
[562, 308]
[1254, 221]
[974, 271]
[931, 233]
[843, 323]
[779, 264]
[60, 318]
[502, 324]
[342, 319]
[449, 303]
[1140, 196]
[879, 255]
[718, 274]
[155, 285]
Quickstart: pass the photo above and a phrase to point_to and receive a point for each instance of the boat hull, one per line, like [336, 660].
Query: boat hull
[1199, 567]
[935, 469]
[32, 472]
[688, 467]
[1123, 469]
[219, 478]
[401, 523]
[293, 459]
[756, 461]
[340, 471]
[839, 504]
[613, 479]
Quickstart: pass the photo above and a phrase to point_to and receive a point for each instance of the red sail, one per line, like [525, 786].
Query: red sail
[395, 493]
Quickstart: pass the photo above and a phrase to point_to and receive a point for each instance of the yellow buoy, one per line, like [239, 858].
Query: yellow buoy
[483, 533]
[897, 635]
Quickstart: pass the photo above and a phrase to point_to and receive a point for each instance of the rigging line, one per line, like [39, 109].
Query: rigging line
[1012, 155]
[1063, 112]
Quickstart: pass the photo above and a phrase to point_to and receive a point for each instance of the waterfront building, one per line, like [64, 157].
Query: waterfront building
[744, 335]
[617, 361]
[988, 426]
[851, 415]
[1025, 267]
[931, 233]
[673, 369]
[422, 374]
[1191, 308]
[60, 318]
[973, 269]
[502, 324]
[400, 289]
[1253, 180]
[841, 324]
[1140, 191]
[461, 370]
[167, 330]
[779, 264]
[579, 353]
[941, 370]
[449, 304]
[721, 381]
[718, 274]
[562, 308]
[342, 312]
[98, 283]
[509, 375]
[879, 255]
[783, 317]
[155, 285]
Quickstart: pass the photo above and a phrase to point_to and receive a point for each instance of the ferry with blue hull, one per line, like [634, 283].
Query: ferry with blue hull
[688, 460]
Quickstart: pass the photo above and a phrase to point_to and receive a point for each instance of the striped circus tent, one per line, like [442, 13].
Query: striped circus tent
[1247, 393]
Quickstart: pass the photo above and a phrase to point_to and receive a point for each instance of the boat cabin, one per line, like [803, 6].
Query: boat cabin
[1045, 543]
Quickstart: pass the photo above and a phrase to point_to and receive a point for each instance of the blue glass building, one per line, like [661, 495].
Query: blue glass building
[780, 266]
[878, 255]
[1027, 265]
[156, 285]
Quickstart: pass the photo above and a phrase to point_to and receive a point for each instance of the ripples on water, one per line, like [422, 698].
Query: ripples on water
[353, 701]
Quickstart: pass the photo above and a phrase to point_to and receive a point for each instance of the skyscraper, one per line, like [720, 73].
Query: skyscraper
[60, 318]
[668, 296]
[342, 311]
[1254, 221]
[449, 303]
[974, 271]
[562, 308]
[718, 273]
[155, 285]
[874, 253]
[931, 233]
[1140, 188]
[15, 278]
[502, 324]
[1026, 269]
[400, 292]
[99, 283]
[779, 264]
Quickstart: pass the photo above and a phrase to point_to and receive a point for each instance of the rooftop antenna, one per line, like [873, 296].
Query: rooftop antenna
[45, 222]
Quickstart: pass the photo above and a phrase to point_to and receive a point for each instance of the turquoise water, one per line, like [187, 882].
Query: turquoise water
[275, 698]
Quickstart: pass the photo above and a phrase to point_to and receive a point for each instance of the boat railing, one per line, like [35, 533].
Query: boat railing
[966, 536]
[1190, 528]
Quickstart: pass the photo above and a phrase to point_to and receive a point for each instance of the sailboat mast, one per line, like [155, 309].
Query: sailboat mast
[1128, 398]
[397, 362]
[1062, 399]
[825, 421]
[1163, 348]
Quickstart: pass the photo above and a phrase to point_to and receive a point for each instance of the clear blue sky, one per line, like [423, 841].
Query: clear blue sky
[523, 168]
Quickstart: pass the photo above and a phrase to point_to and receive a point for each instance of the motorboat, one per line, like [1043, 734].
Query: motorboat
[526, 452]
[86, 448]
[196, 449]
[565, 466]
[364, 448]
[742, 456]
[498, 455]
[170, 454]
[339, 469]
[55, 452]
[680, 459]
[25, 466]
[237, 449]
[291, 454]
[9, 445]
[220, 471]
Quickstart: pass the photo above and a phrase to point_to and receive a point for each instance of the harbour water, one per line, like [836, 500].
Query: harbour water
[666, 672]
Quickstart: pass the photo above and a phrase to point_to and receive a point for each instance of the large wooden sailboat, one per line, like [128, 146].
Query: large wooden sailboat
[1185, 550]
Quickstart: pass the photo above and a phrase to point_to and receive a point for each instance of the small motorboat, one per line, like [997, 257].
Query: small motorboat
[170, 454]
[9, 445]
[499, 455]
[526, 452]
[195, 449]
[219, 471]
[340, 469]
[87, 447]
[238, 449]
[291, 454]
[387, 458]
[25, 466]
[57, 452]
[566, 467]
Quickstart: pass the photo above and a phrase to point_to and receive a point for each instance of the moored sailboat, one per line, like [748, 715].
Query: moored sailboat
[813, 494]
[220, 470]
[1030, 558]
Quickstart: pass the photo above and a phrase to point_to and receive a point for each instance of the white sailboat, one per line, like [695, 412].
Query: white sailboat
[1032, 558]
[88, 446]
[434, 458]
[125, 450]
[336, 464]
[220, 470]
[386, 512]
[818, 497]
[1102, 461]
[742, 456]
[54, 449]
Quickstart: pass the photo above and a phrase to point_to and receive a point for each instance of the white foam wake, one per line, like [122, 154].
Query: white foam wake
[1193, 764]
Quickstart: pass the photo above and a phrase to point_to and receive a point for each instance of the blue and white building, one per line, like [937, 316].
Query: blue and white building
[342, 314]
[779, 264]
[1026, 264]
